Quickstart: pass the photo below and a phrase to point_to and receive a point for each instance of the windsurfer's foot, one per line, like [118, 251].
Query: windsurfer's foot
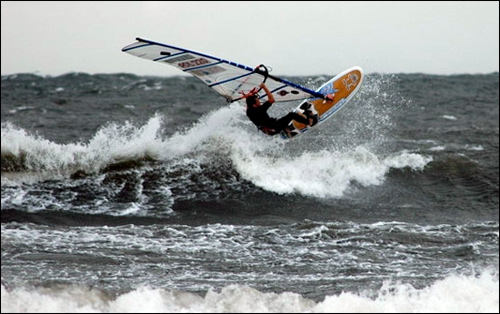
[311, 118]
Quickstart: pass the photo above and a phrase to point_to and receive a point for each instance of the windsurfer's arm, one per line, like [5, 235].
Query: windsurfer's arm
[270, 96]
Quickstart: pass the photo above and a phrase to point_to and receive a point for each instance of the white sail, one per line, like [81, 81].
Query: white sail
[229, 79]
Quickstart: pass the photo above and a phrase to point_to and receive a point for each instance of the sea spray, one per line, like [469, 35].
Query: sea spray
[456, 293]
[325, 173]
[149, 195]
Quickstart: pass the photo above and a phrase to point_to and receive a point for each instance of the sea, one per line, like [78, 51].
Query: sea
[125, 193]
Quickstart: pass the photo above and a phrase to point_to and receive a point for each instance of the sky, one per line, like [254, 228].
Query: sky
[292, 38]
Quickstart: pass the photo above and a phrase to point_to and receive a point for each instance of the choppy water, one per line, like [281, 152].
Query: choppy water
[144, 194]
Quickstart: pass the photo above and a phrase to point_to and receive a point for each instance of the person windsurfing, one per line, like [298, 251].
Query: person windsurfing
[257, 113]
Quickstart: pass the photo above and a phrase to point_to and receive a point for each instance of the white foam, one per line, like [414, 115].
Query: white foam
[456, 293]
[325, 173]
[437, 148]
[474, 147]
[268, 162]
[113, 143]
[286, 167]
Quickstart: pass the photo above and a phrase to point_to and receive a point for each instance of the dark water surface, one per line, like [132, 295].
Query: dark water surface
[133, 193]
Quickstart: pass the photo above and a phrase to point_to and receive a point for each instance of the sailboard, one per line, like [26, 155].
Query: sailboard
[234, 81]
[342, 89]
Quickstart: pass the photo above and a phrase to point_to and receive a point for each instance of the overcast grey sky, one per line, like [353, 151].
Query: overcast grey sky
[293, 38]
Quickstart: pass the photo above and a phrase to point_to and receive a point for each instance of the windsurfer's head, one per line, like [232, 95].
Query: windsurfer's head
[252, 100]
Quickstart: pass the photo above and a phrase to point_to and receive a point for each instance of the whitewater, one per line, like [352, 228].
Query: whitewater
[119, 195]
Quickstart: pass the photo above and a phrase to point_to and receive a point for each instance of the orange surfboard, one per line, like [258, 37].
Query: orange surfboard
[343, 87]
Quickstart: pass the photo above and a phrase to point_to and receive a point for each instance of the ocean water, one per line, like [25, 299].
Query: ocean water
[123, 193]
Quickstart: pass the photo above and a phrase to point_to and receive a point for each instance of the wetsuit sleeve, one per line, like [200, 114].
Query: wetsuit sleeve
[266, 105]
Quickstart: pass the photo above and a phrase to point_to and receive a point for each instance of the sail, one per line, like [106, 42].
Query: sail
[229, 79]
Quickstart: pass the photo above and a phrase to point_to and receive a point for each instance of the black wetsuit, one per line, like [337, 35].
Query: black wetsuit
[268, 125]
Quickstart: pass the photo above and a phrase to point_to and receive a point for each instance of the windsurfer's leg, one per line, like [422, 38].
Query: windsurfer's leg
[293, 116]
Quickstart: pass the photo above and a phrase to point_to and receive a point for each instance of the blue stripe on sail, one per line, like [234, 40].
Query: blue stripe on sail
[231, 79]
